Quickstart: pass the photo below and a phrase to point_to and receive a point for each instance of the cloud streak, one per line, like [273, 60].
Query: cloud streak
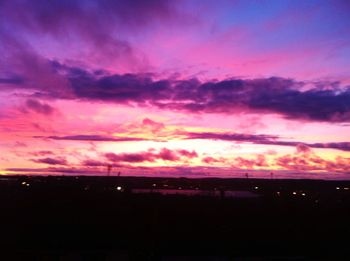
[264, 139]
[260, 139]
[51, 161]
[91, 138]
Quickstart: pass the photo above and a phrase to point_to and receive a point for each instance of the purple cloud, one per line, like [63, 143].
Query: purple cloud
[51, 161]
[151, 156]
[39, 107]
[97, 163]
[131, 157]
[266, 140]
[255, 138]
[322, 102]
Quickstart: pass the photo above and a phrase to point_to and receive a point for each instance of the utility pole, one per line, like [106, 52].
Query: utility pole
[109, 169]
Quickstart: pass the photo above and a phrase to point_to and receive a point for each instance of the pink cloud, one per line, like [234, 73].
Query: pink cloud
[151, 156]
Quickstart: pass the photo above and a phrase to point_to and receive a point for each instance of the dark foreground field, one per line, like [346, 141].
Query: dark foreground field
[95, 218]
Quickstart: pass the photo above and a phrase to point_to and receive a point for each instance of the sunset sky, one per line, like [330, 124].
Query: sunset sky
[175, 88]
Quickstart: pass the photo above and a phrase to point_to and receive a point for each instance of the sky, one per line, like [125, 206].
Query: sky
[175, 88]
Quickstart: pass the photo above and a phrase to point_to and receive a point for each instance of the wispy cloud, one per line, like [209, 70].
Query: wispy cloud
[91, 138]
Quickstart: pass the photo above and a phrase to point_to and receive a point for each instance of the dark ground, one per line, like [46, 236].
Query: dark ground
[87, 218]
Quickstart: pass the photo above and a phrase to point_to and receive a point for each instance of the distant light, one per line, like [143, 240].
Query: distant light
[165, 185]
[154, 185]
[337, 188]
[23, 183]
[256, 187]
[278, 193]
[119, 188]
[346, 188]
[28, 184]
[303, 194]
[294, 193]
[179, 187]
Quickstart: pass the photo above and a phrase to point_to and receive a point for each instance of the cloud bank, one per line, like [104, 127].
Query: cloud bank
[320, 101]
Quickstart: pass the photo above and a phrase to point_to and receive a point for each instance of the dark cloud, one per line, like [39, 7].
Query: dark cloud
[120, 88]
[51, 161]
[131, 157]
[268, 95]
[321, 101]
[266, 140]
[345, 146]
[93, 163]
[151, 156]
[332, 145]
[255, 138]
[39, 107]
[97, 163]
